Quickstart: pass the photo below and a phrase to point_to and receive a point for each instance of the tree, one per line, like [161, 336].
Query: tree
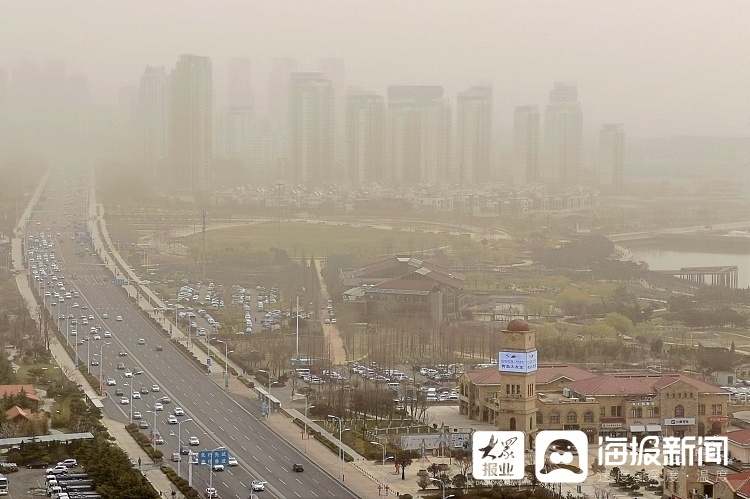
[404, 459]
[619, 322]
[423, 482]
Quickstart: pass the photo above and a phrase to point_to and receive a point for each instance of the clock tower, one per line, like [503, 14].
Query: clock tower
[517, 362]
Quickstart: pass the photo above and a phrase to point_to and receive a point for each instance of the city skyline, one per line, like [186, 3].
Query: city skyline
[639, 63]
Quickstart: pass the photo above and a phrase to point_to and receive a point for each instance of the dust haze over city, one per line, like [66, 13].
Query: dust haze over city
[336, 238]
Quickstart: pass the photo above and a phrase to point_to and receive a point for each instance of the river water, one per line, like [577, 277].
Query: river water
[659, 259]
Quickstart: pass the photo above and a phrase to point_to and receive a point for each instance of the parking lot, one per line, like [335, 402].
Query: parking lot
[26, 483]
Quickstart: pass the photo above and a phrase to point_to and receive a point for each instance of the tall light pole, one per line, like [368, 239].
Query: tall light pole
[306, 409]
[179, 442]
[383, 446]
[226, 362]
[101, 364]
[211, 473]
[341, 449]
[88, 352]
[442, 486]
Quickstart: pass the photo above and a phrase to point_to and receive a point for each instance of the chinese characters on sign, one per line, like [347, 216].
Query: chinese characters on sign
[498, 455]
[517, 362]
[673, 451]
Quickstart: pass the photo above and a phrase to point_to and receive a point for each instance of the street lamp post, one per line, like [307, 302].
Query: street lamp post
[442, 486]
[227, 351]
[179, 443]
[383, 446]
[88, 352]
[211, 472]
[341, 449]
[101, 364]
[306, 409]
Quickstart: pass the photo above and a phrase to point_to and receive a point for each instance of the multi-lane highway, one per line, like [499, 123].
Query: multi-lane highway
[219, 419]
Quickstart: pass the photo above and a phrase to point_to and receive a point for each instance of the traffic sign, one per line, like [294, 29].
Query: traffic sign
[220, 456]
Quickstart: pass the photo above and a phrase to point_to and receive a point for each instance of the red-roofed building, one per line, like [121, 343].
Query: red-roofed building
[608, 405]
[739, 444]
[404, 286]
[17, 415]
[29, 390]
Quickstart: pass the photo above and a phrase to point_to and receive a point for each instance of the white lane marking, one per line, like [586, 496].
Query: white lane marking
[230, 436]
[272, 459]
[295, 492]
[274, 447]
[282, 481]
[243, 448]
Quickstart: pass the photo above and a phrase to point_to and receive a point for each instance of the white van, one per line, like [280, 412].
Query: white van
[302, 372]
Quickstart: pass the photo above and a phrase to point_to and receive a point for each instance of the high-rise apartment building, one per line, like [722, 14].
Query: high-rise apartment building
[334, 70]
[418, 135]
[563, 130]
[611, 153]
[191, 125]
[311, 128]
[365, 137]
[153, 106]
[278, 92]
[473, 136]
[240, 84]
[526, 145]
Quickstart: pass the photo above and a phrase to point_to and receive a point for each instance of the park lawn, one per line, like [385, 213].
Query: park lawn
[320, 239]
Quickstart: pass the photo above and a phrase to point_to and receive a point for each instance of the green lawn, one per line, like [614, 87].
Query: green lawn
[321, 240]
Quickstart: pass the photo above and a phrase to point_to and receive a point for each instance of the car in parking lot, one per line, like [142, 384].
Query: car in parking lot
[194, 441]
[69, 463]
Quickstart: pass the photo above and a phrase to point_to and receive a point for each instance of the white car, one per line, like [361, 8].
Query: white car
[111, 382]
[105, 316]
[158, 406]
[155, 388]
[257, 486]
[218, 467]
[136, 395]
[179, 411]
[211, 493]
[124, 401]
[194, 441]
[232, 461]
[97, 337]
[107, 334]
[172, 419]
[128, 374]
[141, 341]
[118, 318]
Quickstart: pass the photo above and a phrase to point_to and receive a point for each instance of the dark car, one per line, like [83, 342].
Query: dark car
[119, 392]
[159, 348]
[185, 450]
[37, 465]
[298, 468]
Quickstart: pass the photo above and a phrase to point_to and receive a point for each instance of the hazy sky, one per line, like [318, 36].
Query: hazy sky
[661, 67]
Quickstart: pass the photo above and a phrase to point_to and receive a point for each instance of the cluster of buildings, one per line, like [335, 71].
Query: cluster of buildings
[519, 393]
[314, 129]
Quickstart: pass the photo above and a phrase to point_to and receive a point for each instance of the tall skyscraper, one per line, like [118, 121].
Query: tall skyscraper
[334, 70]
[4, 112]
[526, 145]
[278, 92]
[311, 128]
[152, 115]
[563, 130]
[365, 137]
[191, 125]
[418, 135]
[474, 136]
[611, 147]
[240, 85]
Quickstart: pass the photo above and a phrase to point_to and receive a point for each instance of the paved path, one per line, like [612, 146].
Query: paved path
[331, 332]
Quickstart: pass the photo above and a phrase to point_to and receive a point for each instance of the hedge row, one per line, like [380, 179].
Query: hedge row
[181, 483]
[190, 355]
[144, 442]
[333, 447]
